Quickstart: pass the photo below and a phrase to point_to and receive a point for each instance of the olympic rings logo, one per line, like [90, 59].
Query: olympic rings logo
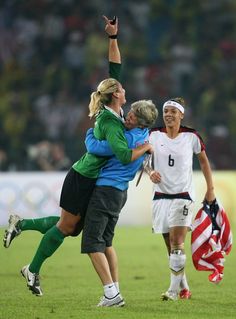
[36, 196]
[9, 195]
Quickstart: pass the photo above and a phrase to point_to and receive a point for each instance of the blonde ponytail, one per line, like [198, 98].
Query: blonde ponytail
[95, 104]
[103, 96]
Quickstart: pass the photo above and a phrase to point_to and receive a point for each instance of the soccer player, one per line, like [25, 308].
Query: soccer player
[106, 105]
[109, 197]
[174, 146]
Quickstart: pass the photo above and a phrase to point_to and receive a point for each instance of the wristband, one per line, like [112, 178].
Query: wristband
[113, 36]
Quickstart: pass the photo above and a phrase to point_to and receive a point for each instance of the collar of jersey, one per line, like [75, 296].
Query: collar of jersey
[120, 117]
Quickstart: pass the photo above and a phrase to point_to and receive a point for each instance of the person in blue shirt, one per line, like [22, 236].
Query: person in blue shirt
[141, 114]
[109, 197]
[114, 173]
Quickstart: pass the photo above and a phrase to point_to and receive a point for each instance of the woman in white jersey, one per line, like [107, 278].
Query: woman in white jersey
[174, 146]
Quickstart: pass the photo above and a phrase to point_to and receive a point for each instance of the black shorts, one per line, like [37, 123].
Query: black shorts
[76, 192]
[101, 218]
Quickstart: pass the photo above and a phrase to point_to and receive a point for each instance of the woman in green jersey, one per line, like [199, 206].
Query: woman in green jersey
[106, 107]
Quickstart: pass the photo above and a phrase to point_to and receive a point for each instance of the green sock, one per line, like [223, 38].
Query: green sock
[40, 224]
[52, 239]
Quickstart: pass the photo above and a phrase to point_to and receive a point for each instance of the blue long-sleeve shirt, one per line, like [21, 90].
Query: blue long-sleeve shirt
[114, 173]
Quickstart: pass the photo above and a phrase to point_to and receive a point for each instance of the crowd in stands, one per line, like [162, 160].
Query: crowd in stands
[53, 53]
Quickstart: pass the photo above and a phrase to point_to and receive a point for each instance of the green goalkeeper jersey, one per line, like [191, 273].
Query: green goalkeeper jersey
[107, 127]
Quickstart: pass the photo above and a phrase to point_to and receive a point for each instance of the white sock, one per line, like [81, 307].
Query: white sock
[177, 263]
[116, 283]
[110, 290]
[184, 283]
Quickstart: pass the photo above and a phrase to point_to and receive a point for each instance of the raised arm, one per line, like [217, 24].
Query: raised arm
[114, 55]
[111, 29]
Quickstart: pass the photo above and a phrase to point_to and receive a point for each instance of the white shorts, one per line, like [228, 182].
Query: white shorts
[168, 213]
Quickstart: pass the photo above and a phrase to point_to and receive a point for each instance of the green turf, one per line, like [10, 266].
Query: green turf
[72, 288]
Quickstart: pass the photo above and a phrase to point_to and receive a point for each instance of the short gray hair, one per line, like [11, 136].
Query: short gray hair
[145, 111]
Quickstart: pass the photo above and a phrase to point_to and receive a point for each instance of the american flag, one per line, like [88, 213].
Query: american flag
[211, 240]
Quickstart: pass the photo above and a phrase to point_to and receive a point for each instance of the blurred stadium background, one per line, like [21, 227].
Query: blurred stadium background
[53, 54]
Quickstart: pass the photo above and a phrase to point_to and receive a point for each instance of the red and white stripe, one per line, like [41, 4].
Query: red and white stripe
[210, 247]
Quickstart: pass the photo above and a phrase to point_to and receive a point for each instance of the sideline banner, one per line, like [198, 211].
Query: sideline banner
[30, 195]
[36, 194]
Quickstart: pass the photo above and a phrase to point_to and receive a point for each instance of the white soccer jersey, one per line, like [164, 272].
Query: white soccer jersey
[173, 159]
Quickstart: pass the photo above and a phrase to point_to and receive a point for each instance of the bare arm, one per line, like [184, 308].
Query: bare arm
[206, 169]
[140, 150]
[155, 176]
[114, 52]
[112, 29]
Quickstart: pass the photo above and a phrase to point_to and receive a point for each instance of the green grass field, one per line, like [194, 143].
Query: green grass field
[72, 289]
